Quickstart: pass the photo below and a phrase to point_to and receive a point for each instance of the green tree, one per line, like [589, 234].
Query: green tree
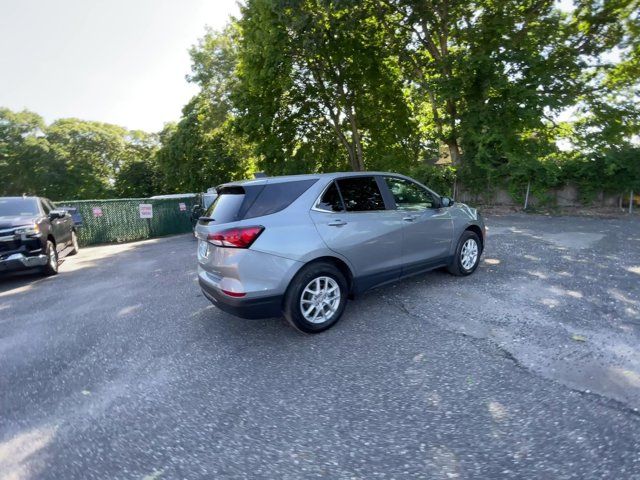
[24, 153]
[74, 159]
[489, 71]
[318, 87]
[138, 174]
[199, 152]
[604, 132]
[91, 152]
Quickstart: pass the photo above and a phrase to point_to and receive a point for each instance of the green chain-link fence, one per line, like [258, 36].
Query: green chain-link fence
[119, 220]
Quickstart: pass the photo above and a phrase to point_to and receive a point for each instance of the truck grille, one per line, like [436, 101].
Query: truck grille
[8, 246]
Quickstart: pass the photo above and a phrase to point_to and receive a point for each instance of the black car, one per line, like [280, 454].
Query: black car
[34, 233]
[202, 203]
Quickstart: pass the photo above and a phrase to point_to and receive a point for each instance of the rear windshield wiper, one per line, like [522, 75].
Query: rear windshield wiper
[206, 219]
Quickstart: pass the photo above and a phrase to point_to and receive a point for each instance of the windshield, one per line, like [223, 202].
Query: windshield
[18, 207]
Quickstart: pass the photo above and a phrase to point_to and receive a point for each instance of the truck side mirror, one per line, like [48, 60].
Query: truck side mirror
[54, 214]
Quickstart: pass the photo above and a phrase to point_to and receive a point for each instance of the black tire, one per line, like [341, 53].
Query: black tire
[456, 267]
[51, 268]
[292, 300]
[74, 243]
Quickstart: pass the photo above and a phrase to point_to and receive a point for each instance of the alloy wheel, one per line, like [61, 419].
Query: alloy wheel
[469, 254]
[53, 258]
[320, 299]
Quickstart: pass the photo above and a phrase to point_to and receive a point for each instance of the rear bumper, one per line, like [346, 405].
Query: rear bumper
[19, 261]
[261, 307]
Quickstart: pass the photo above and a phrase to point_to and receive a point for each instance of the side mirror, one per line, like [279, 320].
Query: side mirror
[54, 214]
[446, 202]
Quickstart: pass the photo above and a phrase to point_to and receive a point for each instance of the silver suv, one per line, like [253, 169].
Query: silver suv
[301, 245]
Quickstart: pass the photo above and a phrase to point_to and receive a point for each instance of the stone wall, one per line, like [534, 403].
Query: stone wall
[567, 196]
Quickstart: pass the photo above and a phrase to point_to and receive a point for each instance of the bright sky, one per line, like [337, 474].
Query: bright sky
[115, 61]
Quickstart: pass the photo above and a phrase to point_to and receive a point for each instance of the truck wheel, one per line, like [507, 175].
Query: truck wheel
[316, 298]
[51, 268]
[74, 243]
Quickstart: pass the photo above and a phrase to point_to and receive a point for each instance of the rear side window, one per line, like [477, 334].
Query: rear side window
[361, 194]
[227, 206]
[330, 200]
[277, 196]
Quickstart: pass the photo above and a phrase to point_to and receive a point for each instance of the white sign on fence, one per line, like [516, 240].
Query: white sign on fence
[97, 212]
[146, 210]
[183, 207]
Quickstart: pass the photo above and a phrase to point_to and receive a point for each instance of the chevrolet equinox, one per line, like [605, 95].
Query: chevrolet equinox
[301, 245]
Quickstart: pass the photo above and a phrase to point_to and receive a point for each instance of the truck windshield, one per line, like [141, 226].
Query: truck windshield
[18, 207]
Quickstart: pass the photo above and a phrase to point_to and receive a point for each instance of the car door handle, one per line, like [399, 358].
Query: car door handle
[337, 223]
[410, 218]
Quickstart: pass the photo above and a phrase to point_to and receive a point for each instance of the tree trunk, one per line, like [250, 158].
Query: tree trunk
[454, 151]
[353, 158]
[358, 166]
[358, 152]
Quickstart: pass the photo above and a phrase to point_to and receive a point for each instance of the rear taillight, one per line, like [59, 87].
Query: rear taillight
[241, 237]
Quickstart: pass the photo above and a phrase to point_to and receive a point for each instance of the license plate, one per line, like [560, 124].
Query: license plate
[203, 249]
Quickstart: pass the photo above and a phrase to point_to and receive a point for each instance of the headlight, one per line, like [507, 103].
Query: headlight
[28, 231]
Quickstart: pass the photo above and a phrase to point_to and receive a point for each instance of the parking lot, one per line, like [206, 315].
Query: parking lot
[118, 367]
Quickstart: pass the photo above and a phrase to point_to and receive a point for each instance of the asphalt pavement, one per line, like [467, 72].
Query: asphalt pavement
[119, 368]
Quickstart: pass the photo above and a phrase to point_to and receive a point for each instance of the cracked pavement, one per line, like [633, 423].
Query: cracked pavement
[119, 368]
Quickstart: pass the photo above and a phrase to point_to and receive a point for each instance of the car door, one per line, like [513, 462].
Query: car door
[67, 224]
[428, 228]
[354, 221]
[58, 226]
[55, 226]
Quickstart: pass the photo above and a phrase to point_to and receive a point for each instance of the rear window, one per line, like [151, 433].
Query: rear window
[277, 196]
[237, 203]
[361, 194]
[226, 207]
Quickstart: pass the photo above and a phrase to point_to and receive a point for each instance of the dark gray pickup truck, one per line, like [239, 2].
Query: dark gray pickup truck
[34, 234]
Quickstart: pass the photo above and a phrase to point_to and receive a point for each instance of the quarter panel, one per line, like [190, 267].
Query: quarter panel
[289, 234]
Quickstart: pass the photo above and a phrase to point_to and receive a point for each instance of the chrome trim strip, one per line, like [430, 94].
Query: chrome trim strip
[34, 261]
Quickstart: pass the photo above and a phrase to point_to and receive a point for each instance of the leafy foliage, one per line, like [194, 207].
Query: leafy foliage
[298, 86]
[319, 87]
[198, 152]
[73, 159]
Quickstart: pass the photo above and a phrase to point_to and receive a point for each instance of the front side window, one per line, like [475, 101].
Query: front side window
[330, 200]
[409, 195]
[361, 194]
